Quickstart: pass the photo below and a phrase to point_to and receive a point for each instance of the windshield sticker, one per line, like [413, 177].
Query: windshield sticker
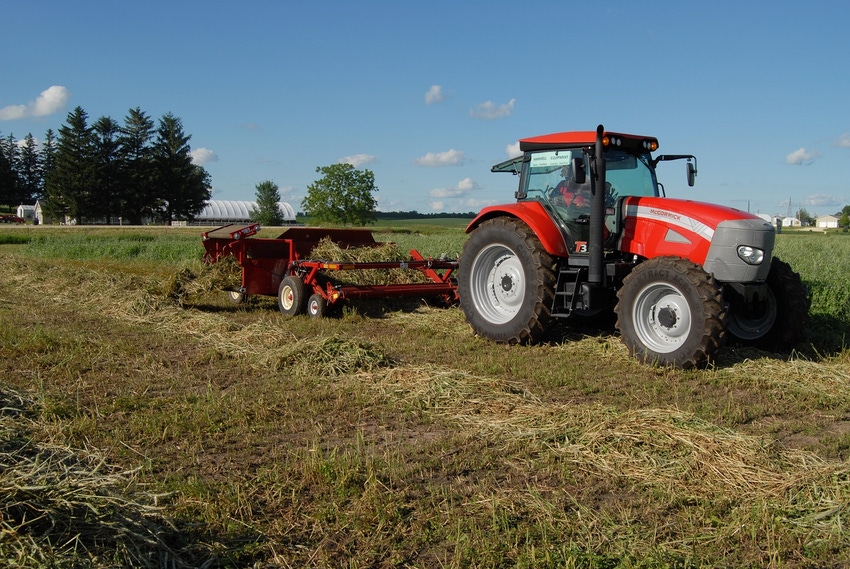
[551, 159]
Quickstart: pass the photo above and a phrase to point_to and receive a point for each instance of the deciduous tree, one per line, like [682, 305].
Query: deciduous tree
[344, 196]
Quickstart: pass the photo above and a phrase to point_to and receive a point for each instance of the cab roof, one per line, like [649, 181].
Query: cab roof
[577, 138]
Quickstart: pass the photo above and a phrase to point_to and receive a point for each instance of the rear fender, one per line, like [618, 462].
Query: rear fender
[535, 217]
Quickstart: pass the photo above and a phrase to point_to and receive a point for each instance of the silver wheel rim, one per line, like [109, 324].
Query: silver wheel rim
[662, 318]
[754, 328]
[497, 284]
[314, 307]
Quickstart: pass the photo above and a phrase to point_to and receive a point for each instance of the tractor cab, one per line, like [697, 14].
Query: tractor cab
[557, 176]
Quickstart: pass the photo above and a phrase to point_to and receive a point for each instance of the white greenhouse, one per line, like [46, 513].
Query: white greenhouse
[236, 211]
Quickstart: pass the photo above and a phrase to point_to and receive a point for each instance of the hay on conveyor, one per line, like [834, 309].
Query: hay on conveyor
[329, 251]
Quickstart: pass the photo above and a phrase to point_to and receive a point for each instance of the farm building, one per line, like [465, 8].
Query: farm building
[41, 216]
[827, 221]
[26, 212]
[215, 212]
[236, 211]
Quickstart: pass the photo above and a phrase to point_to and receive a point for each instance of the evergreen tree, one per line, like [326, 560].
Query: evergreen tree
[30, 171]
[342, 196]
[68, 189]
[47, 159]
[268, 211]
[107, 169]
[137, 198]
[8, 173]
[182, 187]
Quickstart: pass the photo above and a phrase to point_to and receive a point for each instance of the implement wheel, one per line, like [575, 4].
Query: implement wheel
[506, 282]
[316, 306]
[236, 297]
[671, 312]
[290, 296]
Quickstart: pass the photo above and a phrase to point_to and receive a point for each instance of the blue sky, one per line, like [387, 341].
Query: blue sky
[429, 95]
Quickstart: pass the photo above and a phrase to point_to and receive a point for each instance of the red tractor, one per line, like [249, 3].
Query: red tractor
[592, 231]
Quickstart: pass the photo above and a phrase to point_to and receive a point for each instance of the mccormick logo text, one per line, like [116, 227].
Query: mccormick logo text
[663, 213]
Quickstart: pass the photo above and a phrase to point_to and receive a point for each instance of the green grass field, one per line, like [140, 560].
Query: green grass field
[140, 431]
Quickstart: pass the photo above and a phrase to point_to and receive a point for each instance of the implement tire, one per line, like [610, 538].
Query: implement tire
[291, 297]
[506, 282]
[671, 312]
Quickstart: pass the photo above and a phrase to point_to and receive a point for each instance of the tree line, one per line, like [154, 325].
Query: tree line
[136, 172]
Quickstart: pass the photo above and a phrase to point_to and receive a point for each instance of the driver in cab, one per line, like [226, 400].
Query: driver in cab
[572, 195]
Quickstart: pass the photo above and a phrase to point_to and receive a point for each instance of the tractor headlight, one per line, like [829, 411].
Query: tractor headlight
[750, 255]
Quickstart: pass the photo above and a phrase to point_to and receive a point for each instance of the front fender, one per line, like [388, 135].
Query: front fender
[535, 217]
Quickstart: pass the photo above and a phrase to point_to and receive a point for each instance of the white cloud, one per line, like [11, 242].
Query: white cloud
[448, 158]
[462, 188]
[201, 156]
[434, 95]
[48, 102]
[801, 156]
[491, 111]
[463, 205]
[821, 200]
[513, 149]
[358, 160]
[843, 141]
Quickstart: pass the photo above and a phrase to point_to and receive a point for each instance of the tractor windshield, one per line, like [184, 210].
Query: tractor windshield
[630, 174]
[550, 172]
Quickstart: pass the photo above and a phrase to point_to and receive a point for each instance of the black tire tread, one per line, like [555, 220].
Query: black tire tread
[531, 329]
[712, 333]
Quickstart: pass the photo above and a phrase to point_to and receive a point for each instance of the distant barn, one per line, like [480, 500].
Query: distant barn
[237, 211]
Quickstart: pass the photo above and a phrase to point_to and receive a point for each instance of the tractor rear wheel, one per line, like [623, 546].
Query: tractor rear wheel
[506, 282]
[290, 296]
[671, 312]
[779, 322]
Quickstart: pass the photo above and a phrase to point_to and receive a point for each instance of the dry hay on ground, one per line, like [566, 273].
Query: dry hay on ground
[60, 505]
[187, 285]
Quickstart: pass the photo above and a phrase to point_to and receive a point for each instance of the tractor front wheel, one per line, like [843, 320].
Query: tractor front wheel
[671, 312]
[777, 321]
[506, 282]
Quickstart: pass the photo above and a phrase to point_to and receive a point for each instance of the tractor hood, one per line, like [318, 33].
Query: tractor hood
[707, 234]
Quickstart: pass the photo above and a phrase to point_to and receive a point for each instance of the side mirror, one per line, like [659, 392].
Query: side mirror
[579, 173]
[692, 173]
